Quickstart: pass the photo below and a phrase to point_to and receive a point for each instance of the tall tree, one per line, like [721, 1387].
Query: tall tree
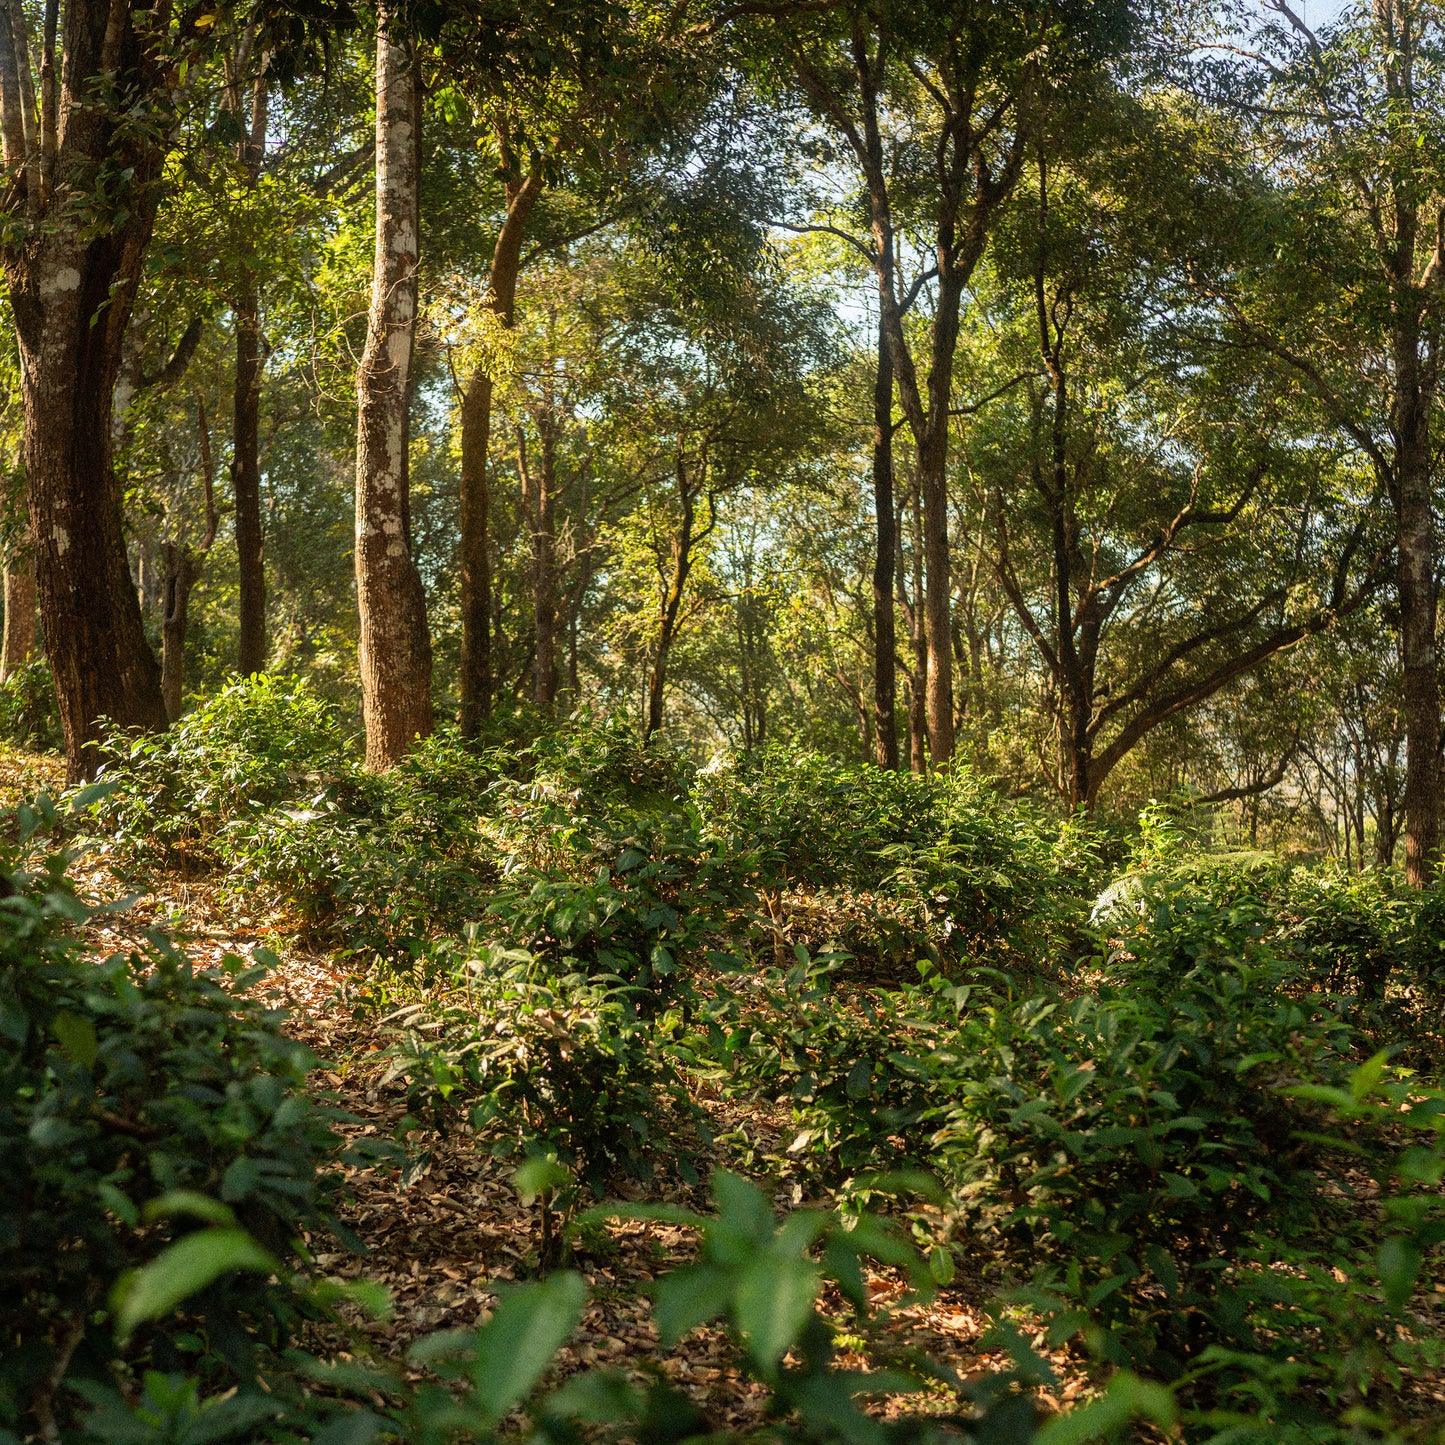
[247, 71]
[86, 151]
[1349, 118]
[395, 646]
[475, 683]
[971, 82]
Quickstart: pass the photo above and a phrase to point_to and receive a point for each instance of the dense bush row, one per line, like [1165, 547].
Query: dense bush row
[1150, 1093]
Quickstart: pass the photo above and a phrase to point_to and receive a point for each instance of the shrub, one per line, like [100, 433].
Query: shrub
[126, 1081]
[543, 1063]
[29, 713]
[649, 904]
[1128, 1141]
[861, 1071]
[259, 744]
[983, 869]
[377, 863]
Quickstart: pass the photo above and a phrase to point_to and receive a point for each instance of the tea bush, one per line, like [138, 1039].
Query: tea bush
[1129, 1138]
[129, 1084]
[542, 1062]
[257, 745]
[985, 871]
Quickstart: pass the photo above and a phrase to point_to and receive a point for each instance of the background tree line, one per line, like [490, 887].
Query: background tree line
[1047, 386]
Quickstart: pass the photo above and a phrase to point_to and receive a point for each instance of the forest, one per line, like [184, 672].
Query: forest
[720, 722]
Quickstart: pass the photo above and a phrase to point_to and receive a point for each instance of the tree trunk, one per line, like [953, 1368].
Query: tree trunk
[544, 572]
[682, 547]
[181, 571]
[475, 678]
[395, 648]
[1415, 582]
[19, 642]
[917, 703]
[71, 293]
[245, 436]
[885, 642]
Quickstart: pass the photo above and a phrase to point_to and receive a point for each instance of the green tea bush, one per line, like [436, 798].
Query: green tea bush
[378, 863]
[542, 1062]
[129, 1084]
[259, 744]
[985, 871]
[650, 905]
[29, 713]
[1128, 1140]
[862, 1071]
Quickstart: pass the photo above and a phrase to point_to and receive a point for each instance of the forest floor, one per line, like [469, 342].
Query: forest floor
[442, 1235]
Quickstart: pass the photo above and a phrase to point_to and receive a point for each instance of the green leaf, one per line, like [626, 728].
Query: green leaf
[742, 1206]
[940, 1265]
[539, 1174]
[1366, 1078]
[1399, 1261]
[773, 1301]
[518, 1344]
[187, 1266]
[76, 1035]
[689, 1297]
[1127, 1398]
[1161, 1263]
[189, 1203]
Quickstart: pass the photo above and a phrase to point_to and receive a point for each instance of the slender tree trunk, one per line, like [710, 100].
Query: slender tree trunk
[917, 692]
[246, 412]
[1415, 582]
[682, 546]
[885, 642]
[476, 680]
[181, 572]
[395, 648]
[19, 642]
[544, 571]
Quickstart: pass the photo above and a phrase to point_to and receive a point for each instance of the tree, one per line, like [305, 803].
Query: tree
[1160, 521]
[243, 66]
[966, 85]
[85, 141]
[1348, 121]
[395, 647]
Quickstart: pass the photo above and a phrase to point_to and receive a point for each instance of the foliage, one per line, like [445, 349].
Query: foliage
[756, 1275]
[247, 749]
[131, 1084]
[982, 867]
[542, 1061]
[29, 713]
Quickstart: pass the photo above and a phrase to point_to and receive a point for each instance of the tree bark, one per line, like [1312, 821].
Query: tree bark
[181, 572]
[475, 679]
[1415, 583]
[72, 287]
[885, 641]
[18, 646]
[395, 648]
[245, 414]
[544, 571]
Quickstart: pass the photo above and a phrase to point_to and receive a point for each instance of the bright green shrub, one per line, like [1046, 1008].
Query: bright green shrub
[648, 906]
[542, 1062]
[124, 1080]
[259, 744]
[376, 863]
[984, 870]
[1128, 1141]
